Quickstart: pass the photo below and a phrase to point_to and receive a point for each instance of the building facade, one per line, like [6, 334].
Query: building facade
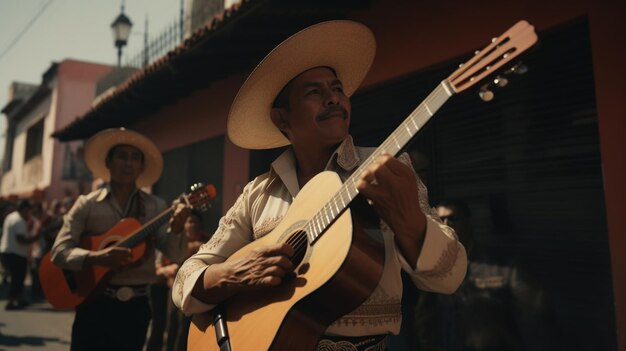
[36, 165]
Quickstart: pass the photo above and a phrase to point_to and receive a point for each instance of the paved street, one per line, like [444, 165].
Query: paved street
[38, 327]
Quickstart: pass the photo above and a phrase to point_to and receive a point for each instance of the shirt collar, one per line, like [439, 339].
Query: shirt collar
[345, 157]
[105, 191]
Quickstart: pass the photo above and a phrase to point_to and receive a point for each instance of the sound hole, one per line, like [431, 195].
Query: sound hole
[298, 241]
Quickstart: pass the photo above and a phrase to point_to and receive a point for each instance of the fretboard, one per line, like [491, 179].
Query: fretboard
[148, 228]
[392, 145]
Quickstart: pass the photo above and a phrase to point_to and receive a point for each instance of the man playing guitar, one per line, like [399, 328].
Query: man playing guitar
[299, 95]
[117, 316]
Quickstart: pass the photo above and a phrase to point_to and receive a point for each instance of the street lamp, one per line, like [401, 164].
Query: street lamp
[121, 31]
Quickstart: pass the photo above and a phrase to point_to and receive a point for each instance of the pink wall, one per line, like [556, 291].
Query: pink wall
[442, 30]
[199, 117]
[75, 91]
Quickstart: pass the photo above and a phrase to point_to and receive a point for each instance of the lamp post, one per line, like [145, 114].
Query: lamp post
[121, 31]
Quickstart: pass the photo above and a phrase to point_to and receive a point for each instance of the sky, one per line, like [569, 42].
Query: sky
[69, 29]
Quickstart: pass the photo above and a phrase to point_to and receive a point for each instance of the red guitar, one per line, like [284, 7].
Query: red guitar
[337, 266]
[68, 289]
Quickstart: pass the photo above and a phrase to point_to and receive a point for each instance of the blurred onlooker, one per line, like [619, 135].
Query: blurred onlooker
[6, 207]
[164, 314]
[67, 203]
[179, 323]
[456, 214]
[497, 307]
[159, 293]
[35, 226]
[53, 222]
[45, 224]
[14, 246]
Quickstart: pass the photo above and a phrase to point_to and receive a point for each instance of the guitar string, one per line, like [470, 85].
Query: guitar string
[404, 132]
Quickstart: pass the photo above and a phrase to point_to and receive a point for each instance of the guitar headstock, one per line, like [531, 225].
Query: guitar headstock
[200, 196]
[499, 52]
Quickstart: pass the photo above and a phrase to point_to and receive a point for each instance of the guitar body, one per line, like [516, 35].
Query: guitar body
[338, 273]
[66, 289]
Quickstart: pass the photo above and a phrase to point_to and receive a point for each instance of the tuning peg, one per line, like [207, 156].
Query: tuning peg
[485, 94]
[197, 186]
[500, 81]
[518, 68]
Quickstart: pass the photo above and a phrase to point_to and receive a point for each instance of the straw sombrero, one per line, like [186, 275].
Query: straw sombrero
[346, 46]
[98, 146]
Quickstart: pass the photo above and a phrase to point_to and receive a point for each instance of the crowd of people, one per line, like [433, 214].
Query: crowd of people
[29, 228]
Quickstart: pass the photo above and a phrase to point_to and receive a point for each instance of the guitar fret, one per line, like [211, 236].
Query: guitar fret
[408, 130]
[397, 144]
[428, 109]
[327, 219]
[318, 223]
[311, 225]
[415, 124]
[321, 221]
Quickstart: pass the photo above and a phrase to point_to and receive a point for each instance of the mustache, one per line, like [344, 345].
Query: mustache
[332, 109]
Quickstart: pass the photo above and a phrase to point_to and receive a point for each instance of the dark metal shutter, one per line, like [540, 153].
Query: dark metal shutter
[198, 162]
[528, 165]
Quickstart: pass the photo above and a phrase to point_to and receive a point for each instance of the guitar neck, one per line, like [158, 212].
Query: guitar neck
[392, 145]
[148, 228]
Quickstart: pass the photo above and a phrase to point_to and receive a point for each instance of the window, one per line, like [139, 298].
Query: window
[8, 152]
[34, 141]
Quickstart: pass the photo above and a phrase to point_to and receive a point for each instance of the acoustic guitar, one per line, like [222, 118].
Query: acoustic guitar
[337, 265]
[66, 289]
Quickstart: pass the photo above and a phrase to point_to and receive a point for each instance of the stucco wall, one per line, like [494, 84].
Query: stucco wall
[199, 117]
[74, 92]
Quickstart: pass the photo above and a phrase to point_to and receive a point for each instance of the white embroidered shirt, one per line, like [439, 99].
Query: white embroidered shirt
[440, 267]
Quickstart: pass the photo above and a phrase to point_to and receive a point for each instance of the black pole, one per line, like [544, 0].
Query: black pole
[119, 56]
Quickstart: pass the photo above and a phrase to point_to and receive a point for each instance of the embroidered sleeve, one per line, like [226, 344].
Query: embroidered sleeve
[442, 263]
[233, 232]
[266, 226]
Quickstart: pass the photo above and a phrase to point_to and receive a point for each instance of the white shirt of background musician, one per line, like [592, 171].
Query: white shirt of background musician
[13, 225]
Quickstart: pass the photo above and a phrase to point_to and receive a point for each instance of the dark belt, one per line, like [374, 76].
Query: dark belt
[357, 343]
[125, 292]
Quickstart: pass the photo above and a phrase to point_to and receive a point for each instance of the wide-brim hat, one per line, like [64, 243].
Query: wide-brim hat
[348, 47]
[98, 146]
